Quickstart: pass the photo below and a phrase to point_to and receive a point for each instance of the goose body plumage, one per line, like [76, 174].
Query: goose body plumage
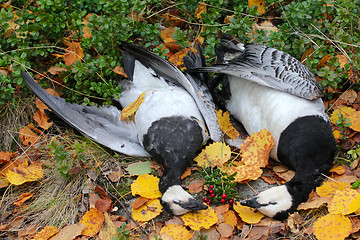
[171, 124]
[269, 89]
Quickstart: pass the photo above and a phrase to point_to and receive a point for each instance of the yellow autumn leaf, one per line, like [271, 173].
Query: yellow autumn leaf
[332, 226]
[328, 189]
[175, 231]
[355, 121]
[244, 173]
[148, 211]
[230, 218]
[259, 3]
[24, 173]
[256, 148]
[337, 134]
[132, 107]
[344, 202]
[216, 154]
[146, 186]
[247, 214]
[200, 9]
[46, 233]
[344, 111]
[200, 219]
[226, 125]
[93, 221]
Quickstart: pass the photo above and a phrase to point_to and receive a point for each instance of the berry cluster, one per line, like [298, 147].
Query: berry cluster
[212, 195]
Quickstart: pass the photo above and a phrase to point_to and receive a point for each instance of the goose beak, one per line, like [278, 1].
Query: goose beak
[253, 203]
[193, 205]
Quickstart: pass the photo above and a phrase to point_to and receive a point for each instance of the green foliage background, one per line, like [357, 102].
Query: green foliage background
[329, 27]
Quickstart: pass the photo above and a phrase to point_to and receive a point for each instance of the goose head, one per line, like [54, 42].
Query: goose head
[178, 202]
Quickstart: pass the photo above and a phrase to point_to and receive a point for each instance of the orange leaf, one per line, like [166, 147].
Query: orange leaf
[42, 119]
[132, 107]
[248, 214]
[200, 9]
[259, 3]
[6, 156]
[140, 201]
[256, 148]
[200, 219]
[93, 221]
[196, 186]
[166, 35]
[216, 154]
[46, 233]
[27, 136]
[148, 211]
[119, 70]
[342, 60]
[332, 226]
[230, 218]
[226, 125]
[177, 58]
[176, 232]
[86, 29]
[344, 202]
[24, 173]
[245, 173]
[328, 189]
[146, 186]
[23, 197]
[73, 53]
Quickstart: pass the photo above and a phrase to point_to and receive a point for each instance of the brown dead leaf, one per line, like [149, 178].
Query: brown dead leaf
[166, 35]
[148, 211]
[6, 156]
[323, 62]
[119, 70]
[294, 222]
[42, 119]
[186, 173]
[73, 53]
[342, 60]
[283, 172]
[46, 233]
[225, 230]
[22, 198]
[140, 201]
[69, 232]
[104, 205]
[307, 54]
[93, 199]
[196, 186]
[55, 70]
[313, 203]
[108, 232]
[28, 136]
[16, 223]
[177, 58]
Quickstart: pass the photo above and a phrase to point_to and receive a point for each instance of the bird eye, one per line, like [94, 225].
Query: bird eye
[176, 201]
[272, 203]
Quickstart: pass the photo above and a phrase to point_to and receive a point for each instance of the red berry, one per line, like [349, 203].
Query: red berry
[209, 202]
[211, 191]
[222, 200]
[223, 196]
[205, 199]
[211, 186]
[231, 201]
[212, 195]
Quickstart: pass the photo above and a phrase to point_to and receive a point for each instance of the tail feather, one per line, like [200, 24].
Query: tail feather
[103, 125]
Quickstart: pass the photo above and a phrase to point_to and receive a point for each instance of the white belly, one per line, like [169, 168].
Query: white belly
[258, 107]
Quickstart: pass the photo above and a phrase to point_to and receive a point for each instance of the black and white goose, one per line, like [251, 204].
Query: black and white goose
[169, 125]
[269, 89]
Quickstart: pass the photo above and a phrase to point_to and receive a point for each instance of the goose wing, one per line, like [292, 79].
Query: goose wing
[266, 66]
[103, 125]
[168, 71]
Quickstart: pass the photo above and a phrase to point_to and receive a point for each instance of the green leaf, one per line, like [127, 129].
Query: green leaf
[139, 168]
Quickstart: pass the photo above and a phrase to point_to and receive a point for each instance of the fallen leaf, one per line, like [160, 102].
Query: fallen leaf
[294, 222]
[69, 232]
[200, 9]
[6, 156]
[132, 107]
[93, 221]
[226, 125]
[42, 119]
[139, 168]
[104, 205]
[344, 202]
[177, 58]
[22, 174]
[259, 3]
[146, 186]
[344, 111]
[244, 173]
[323, 62]
[230, 218]
[337, 169]
[313, 203]
[307, 54]
[22, 198]
[348, 97]
[355, 121]
[73, 53]
[186, 173]
[225, 230]
[196, 186]
[332, 226]
[256, 148]
[27, 136]
[46, 233]
[200, 219]
[119, 70]
[169, 41]
[176, 232]
[248, 214]
[140, 201]
[284, 173]
[342, 60]
[328, 189]
[216, 154]
[108, 232]
[16, 223]
[55, 70]
[86, 29]
[266, 26]
[148, 211]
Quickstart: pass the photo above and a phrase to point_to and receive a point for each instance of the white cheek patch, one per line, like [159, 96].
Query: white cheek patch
[176, 194]
[277, 199]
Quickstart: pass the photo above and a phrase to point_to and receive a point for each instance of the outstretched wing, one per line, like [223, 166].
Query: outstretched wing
[168, 71]
[103, 125]
[266, 66]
